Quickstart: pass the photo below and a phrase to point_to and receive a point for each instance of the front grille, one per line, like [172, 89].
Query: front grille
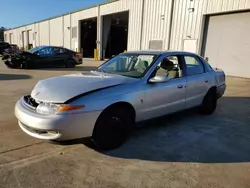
[30, 102]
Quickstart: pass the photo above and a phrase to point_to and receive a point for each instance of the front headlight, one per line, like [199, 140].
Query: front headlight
[48, 108]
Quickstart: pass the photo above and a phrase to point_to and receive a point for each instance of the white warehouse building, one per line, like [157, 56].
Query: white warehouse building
[216, 29]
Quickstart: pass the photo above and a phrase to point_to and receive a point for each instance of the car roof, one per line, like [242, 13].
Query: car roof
[44, 46]
[151, 52]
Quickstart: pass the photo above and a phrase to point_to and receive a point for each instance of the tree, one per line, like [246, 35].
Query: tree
[2, 29]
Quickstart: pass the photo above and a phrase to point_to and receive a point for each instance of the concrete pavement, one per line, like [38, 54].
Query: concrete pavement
[184, 150]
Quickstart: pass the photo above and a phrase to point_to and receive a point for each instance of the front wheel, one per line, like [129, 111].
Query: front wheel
[24, 66]
[70, 64]
[112, 128]
[209, 103]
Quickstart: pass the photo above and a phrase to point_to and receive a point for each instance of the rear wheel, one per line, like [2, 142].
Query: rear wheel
[209, 103]
[112, 128]
[70, 64]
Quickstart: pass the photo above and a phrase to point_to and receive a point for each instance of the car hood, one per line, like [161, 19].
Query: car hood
[61, 89]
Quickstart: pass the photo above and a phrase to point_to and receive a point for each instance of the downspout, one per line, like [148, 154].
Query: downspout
[170, 24]
[142, 23]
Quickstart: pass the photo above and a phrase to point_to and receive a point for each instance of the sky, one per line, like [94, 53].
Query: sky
[15, 13]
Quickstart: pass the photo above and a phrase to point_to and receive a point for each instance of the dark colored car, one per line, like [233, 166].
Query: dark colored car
[13, 48]
[43, 57]
[3, 47]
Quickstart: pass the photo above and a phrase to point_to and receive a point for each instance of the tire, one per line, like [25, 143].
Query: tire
[209, 103]
[24, 66]
[112, 128]
[70, 64]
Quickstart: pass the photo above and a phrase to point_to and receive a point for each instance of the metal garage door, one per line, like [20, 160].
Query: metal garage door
[227, 43]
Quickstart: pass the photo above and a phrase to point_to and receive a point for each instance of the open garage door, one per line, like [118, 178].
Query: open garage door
[227, 43]
[88, 33]
[115, 33]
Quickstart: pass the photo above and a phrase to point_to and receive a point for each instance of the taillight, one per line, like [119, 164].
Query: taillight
[78, 54]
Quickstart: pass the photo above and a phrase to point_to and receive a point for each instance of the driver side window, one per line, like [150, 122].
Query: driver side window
[46, 52]
[169, 66]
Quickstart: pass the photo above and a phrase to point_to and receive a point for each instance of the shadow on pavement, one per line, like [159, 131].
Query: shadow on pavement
[223, 137]
[14, 77]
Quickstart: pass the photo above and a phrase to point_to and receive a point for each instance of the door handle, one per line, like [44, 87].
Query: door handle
[180, 86]
[206, 81]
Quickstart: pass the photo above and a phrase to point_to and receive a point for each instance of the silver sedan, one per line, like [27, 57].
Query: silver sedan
[106, 103]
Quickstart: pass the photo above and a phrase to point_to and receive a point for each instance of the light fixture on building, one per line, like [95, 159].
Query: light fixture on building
[191, 10]
[162, 17]
[68, 27]
[117, 21]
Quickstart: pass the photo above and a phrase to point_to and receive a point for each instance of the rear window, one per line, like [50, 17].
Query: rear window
[58, 50]
[208, 67]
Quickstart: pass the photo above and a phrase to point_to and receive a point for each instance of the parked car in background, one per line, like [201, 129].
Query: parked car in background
[106, 103]
[3, 47]
[13, 48]
[43, 57]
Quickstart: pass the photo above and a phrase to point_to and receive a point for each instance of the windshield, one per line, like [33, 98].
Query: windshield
[131, 65]
[33, 50]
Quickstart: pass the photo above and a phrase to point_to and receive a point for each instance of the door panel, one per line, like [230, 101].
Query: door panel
[60, 57]
[197, 87]
[198, 82]
[46, 57]
[165, 98]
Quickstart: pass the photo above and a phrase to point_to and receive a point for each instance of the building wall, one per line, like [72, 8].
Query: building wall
[36, 41]
[56, 31]
[76, 17]
[66, 31]
[148, 20]
[135, 18]
[156, 22]
[189, 25]
[20, 36]
[44, 30]
[227, 5]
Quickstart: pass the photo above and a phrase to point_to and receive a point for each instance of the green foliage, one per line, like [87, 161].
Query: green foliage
[2, 29]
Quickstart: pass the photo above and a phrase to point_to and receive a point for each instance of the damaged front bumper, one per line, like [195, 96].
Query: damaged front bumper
[13, 63]
[14, 60]
[54, 127]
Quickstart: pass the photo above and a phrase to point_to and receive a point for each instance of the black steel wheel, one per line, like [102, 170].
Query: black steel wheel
[209, 103]
[70, 64]
[24, 66]
[112, 128]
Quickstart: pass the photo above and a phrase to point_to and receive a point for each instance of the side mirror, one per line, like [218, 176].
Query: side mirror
[159, 79]
[37, 53]
[206, 58]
